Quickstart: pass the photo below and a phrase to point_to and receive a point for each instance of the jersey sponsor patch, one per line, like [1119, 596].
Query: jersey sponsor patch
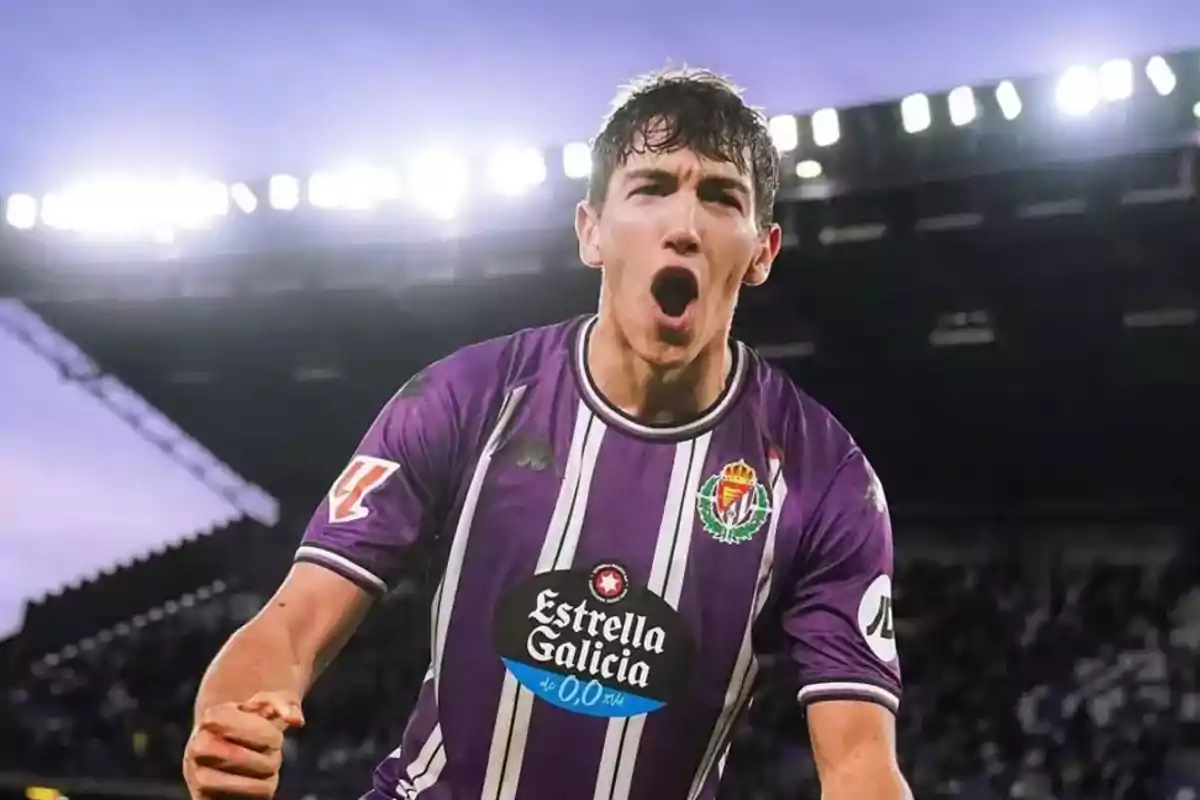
[875, 621]
[591, 642]
[363, 475]
[733, 504]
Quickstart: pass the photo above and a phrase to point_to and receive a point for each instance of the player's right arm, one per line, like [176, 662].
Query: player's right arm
[383, 503]
[252, 691]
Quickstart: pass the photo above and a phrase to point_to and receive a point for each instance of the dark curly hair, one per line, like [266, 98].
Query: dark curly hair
[696, 109]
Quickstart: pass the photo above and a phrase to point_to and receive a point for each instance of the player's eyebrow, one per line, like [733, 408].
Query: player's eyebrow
[658, 175]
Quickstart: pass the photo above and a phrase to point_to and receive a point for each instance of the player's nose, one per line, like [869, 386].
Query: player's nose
[682, 241]
[683, 230]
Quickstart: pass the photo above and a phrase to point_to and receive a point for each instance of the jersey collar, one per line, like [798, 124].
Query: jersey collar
[617, 418]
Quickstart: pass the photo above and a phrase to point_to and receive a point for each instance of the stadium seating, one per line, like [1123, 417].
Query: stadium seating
[1058, 680]
[119, 594]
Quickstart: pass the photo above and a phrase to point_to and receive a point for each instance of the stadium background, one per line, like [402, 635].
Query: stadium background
[994, 287]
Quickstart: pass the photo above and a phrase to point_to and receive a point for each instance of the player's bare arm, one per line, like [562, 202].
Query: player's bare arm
[253, 690]
[854, 747]
[290, 641]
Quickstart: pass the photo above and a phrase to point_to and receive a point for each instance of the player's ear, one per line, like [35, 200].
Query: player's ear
[587, 230]
[768, 248]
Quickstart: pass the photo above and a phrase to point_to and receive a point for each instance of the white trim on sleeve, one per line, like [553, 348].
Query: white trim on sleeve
[340, 563]
[847, 689]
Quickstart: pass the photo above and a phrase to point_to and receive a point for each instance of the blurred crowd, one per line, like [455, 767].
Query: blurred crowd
[1042, 682]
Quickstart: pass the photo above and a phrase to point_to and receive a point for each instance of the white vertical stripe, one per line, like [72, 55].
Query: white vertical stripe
[436, 765]
[745, 669]
[443, 599]
[399, 751]
[430, 761]
[562, 535]
[501, 737]
[623, 738]
[510, 732]
[426, 768]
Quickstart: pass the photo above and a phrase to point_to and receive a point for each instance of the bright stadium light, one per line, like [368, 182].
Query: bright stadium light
[21, 211]
[825, 126]
[193, 203]
[915, 113]
[438, 181]
[784, 132]
[54, 212]
[124, 206]
[358, 187]
[1196, 111]
[512, 170]
[110, 205]
[808, 169]
[283, 191]
[1161, 76]
[577, 160]
[324, 190]
[1116, 80]
[1078, 91]
[1009, 100]
[244, 198]
[963, 108]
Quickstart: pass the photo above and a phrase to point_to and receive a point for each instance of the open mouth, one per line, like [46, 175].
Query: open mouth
[674, 289]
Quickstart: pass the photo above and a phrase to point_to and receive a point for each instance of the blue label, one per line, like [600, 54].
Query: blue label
[580, 695]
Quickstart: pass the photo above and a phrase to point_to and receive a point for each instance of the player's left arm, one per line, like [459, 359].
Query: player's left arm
[840, 627]
[854, 747]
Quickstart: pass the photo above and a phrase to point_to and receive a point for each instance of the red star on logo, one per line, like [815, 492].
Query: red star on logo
[608, 583]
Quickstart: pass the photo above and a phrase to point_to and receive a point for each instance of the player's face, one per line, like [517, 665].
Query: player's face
[676, 239]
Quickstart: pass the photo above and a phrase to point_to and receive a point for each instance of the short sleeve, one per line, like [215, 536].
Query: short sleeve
[839, 621]
[383, 501]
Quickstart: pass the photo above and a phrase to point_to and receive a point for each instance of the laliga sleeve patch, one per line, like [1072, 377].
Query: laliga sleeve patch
[363, 475]
[875, 619]
[590, 642]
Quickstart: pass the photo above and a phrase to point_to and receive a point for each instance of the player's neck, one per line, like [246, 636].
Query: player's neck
[650, 394]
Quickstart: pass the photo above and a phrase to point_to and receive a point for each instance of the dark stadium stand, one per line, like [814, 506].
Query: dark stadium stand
[1021, 679]
[117, 595]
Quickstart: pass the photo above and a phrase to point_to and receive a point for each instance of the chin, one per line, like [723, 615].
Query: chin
[668, 350]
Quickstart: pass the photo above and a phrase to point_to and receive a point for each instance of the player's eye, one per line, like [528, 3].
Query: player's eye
[719, 195]
[726, 199]
[657, 189]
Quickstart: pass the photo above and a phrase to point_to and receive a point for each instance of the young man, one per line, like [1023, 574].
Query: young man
[632, 507]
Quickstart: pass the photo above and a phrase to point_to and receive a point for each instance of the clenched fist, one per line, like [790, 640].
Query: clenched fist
[236, 749]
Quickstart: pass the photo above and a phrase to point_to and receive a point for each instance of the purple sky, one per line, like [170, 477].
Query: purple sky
[79, 490]
[239, 89]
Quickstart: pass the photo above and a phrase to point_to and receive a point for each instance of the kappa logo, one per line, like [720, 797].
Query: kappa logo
[363, 475]
[532, 454]
[875, 619]
[733, 504]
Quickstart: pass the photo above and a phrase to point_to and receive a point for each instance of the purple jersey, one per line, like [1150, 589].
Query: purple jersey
[610, 586]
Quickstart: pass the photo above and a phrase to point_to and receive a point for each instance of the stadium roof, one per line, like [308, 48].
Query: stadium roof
[983, 329]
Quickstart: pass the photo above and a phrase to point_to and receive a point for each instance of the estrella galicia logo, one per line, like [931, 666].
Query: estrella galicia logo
[591, 642]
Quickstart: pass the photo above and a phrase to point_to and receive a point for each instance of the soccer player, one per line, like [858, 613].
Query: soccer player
[631, 507]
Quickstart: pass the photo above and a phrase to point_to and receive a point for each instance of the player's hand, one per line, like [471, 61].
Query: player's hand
[236, 749]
